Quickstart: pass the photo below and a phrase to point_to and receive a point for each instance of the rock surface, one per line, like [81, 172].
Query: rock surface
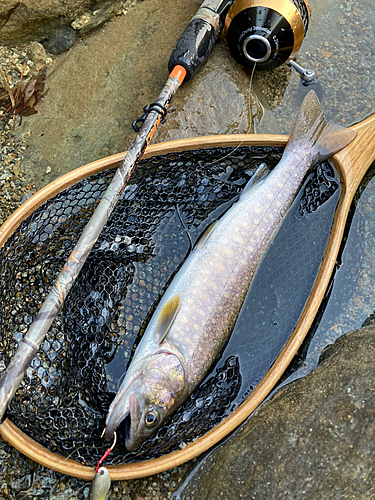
[28, 20]
[34, 20]
[102, 86]
[315, 439]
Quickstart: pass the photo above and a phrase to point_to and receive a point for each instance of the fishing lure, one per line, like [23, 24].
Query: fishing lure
[102, 480]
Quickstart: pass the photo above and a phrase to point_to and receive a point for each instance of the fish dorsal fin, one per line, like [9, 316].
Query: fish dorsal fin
[166, 317]
[206, 235]
[261, 172]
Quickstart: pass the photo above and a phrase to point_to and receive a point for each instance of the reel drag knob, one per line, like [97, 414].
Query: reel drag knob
[266, 32]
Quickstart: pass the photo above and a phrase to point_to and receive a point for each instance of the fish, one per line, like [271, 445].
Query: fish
[100, 485]
[196, 315]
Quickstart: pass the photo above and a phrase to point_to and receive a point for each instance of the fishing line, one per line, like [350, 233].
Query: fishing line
[249, 97]
[249, 125]
[105, 455]
[108, 451]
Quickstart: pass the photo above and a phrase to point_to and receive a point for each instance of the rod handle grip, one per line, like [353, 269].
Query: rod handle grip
[195, 44]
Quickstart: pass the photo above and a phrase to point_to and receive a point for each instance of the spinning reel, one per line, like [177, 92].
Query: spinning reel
[264, 33]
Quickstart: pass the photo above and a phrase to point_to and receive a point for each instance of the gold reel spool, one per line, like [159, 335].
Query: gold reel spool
[266, 33]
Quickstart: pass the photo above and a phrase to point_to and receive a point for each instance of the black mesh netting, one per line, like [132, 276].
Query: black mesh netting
[170, 200]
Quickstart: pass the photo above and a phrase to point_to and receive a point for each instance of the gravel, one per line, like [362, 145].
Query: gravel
[15, 185]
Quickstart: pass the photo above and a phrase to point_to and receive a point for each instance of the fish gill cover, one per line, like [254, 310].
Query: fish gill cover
[64, 397]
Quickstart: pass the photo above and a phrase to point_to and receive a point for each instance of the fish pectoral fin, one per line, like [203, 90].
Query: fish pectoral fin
[166, 317]
[261, 172]
[205, 236]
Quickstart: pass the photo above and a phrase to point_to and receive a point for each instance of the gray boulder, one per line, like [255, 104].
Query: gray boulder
[315, 439]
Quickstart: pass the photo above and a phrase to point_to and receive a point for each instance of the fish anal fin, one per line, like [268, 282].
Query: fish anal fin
[166, 317]
[261, 172]
[205, 236]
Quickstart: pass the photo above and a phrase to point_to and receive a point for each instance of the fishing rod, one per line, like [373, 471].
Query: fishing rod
[190, 53]
[247, 28]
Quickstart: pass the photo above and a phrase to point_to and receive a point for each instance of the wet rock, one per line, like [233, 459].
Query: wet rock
[102, 86]
[220, 80]
[93, 19]
[313, 439]
[61, 41]
[218, 101]
[29, 20]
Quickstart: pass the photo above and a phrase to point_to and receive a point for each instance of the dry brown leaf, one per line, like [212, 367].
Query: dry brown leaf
[28, 112]
[30, 102]
[28, 89]
[7, 87]
[23, 100]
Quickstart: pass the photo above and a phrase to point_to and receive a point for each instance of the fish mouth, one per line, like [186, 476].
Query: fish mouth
[131, 423]
[126, 411]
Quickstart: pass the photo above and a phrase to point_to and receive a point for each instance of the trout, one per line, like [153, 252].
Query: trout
[197, 313]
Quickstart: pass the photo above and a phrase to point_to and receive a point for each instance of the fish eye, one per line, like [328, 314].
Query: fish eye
[152, 418]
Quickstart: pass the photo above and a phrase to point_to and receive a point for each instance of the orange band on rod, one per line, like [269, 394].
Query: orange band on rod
[178, 72]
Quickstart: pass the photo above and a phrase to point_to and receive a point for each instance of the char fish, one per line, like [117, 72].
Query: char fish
[197, 313]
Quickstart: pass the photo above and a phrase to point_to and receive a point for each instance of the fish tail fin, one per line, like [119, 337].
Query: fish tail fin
[313, 132]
